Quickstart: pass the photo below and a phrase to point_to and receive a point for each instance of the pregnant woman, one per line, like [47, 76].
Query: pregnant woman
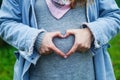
[60, 39]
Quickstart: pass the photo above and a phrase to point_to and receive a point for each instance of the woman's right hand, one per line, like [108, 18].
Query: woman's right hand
[47, 45]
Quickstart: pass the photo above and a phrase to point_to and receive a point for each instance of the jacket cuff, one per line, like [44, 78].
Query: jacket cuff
[31, 55]
[31, 42]
[32, 58]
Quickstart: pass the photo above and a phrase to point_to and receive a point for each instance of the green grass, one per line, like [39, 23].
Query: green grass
[115, 55]
[118, 1]
[7, 60]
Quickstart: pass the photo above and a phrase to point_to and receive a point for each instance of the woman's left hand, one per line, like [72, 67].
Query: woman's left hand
[83, 40]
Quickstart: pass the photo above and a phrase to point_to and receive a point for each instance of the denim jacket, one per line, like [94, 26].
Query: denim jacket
[18, 27]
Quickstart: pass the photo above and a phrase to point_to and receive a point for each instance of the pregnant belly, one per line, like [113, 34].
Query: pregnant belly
[64, 44]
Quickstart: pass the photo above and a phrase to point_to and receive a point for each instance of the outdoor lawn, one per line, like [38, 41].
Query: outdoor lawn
[7, 58]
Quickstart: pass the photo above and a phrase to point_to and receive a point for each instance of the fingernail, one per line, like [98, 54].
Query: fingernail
[65, 57]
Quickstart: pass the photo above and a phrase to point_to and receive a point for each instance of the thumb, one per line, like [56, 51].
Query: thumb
[57, 51]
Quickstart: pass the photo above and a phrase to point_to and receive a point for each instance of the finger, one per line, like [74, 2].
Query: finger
[78, 49]
[86, 48]
[82, 48]
[69, 32]
[47, 51]
[57, 51]
[57, 34]
[72, 50]
[42, 52]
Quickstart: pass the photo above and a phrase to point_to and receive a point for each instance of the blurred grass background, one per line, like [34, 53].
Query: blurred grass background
[7, 58]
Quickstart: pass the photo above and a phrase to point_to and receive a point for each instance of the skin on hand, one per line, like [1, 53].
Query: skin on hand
[83, 40]
[47, 46]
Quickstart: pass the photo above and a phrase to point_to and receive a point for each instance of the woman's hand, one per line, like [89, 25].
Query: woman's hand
[83, 40]
[47, 46]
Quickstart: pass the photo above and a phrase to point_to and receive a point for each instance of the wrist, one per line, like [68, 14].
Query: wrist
[90, 33]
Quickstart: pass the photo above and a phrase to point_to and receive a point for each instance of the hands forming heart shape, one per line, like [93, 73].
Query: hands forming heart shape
[83, 40]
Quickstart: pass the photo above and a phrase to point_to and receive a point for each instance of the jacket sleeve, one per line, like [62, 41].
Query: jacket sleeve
[107, 24]
[13, 31]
